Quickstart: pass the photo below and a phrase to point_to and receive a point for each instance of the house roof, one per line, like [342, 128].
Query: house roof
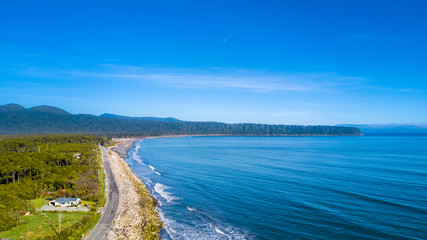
[64, 200]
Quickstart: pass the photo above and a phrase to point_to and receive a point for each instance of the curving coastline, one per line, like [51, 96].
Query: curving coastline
[137, 217]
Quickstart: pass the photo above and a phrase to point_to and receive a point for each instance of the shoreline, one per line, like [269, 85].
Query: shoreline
[137, 209]
[137, 217]
[124, 144]
[122, 148]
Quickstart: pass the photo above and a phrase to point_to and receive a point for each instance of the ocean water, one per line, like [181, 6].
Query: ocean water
[362, 187]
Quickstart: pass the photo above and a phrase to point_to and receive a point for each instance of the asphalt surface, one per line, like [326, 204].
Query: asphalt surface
[101, 230]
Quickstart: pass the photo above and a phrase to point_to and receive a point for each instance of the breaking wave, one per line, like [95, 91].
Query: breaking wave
[161, 189]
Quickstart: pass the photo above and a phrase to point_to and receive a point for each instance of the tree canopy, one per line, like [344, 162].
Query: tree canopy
[42, 120]
[35, 166]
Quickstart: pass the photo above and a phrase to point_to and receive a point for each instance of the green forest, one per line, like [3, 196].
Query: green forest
[15, 119]
[33, 167]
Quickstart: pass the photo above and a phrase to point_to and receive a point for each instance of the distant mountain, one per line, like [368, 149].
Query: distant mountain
[48, 109]
[14, 108]
[389, 128]
[11, 108]
[15, 119]
[168, 119]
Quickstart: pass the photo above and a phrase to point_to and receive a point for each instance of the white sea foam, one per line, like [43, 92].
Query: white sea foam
[178, 230]
[137, 158]
[220, 232]
[147, 180]
[201, 230]
[161, 189]
[135, 153]
[191, 209]
[154, 169]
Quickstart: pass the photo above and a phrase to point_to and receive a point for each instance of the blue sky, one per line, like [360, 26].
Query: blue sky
[280, 62]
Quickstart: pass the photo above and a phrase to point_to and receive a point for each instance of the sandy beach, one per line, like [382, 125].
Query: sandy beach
[137, 217]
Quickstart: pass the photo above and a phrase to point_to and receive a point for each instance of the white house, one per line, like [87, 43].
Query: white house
[65, 202]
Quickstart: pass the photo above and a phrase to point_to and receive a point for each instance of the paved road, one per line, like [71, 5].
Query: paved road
[100, 231]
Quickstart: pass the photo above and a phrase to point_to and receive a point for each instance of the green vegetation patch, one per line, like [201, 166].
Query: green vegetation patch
[53, 120]
[43, 225]
[39, 202]
[36, 169]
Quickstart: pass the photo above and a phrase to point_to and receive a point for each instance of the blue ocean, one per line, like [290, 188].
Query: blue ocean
[358, 187]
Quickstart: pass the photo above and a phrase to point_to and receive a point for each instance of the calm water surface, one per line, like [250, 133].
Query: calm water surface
[362, 187]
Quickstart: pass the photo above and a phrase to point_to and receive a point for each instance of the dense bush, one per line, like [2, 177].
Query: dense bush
[34, 122]
[35, 166]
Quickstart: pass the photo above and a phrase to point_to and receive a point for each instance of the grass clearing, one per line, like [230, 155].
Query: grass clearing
[89, 203]
[40, 224]
[39, 202]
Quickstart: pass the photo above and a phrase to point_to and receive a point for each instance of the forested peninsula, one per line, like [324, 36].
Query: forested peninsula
[15, 119]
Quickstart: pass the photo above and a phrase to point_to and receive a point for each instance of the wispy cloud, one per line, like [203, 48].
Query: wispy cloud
[208, 78]
[211, 78]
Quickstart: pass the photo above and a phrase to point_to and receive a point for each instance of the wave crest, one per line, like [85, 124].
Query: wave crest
[161, 189]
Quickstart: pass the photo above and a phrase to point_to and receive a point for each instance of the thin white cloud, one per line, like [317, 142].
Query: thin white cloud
[210, 78]
[223, 79]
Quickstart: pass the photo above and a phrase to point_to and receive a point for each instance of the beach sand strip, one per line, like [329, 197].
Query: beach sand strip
[137, 217]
